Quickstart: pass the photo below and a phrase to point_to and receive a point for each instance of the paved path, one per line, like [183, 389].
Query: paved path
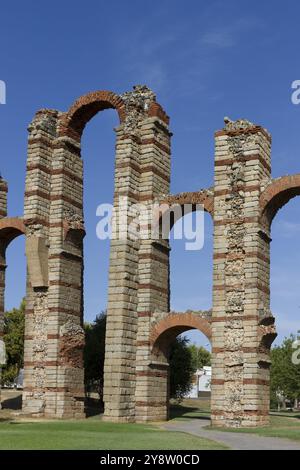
[236, 441]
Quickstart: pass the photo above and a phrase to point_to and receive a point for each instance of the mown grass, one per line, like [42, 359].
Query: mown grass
[190, 409]
[93, 434]
[280, 426]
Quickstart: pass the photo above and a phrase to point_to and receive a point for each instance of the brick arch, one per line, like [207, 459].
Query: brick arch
[85, 108]
[156, 110]
[277, 194]
[10, 228]
[174, 324]
[204, 197]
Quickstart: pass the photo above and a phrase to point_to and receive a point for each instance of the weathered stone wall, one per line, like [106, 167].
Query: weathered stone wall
[140, 327]
[142, 173]
[240, 384]
[54, 222]
[3, 213]
[54, 339]
[153, 274]
[119, 368]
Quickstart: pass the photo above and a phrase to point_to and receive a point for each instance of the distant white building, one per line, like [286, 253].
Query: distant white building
[2, 353]
[201, 383]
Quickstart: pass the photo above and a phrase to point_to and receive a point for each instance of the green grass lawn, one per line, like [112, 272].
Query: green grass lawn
[280, 426]
[94, 434]
[189, 409]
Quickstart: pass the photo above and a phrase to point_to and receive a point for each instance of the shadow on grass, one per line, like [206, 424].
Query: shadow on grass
[187, 412]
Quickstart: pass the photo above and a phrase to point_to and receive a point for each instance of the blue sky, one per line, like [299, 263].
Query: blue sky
[204, 60]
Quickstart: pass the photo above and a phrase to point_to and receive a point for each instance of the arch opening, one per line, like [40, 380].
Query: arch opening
[190, 288]
[86, 107]
[185, 365]
[277, 194]
[12, 310]
[284, 289]
[96, 251]
[284, 269]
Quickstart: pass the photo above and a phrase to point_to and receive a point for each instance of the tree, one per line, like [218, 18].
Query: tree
[200, 356]
[14, 326]
[182, 368]
[285, 374]
[94, 353]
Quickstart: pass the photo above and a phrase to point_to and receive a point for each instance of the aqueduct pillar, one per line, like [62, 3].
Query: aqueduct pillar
[143, 151]
[242, 324]
[3, 213]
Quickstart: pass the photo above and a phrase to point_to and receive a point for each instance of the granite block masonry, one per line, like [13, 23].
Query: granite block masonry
[242, 201]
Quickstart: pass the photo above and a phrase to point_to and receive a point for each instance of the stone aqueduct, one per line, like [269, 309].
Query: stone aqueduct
[242, 202]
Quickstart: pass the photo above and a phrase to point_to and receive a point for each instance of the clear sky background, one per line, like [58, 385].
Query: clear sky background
[204, 60]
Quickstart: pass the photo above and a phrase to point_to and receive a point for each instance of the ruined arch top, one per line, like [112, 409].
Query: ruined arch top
[87, 106]
[203, 197]
[277, 194]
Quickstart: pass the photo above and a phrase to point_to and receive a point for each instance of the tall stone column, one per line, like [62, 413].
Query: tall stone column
[42, 133]
[3, 213]
[137, 170]
[153, 272]
[120, 347]
[122, 314]
[242, 328]
[65, 296]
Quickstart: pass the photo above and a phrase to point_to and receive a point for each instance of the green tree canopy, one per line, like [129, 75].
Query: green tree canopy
[200, 356]
[14, 326]
[182, 368]
[285, 373]
[94, 353]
